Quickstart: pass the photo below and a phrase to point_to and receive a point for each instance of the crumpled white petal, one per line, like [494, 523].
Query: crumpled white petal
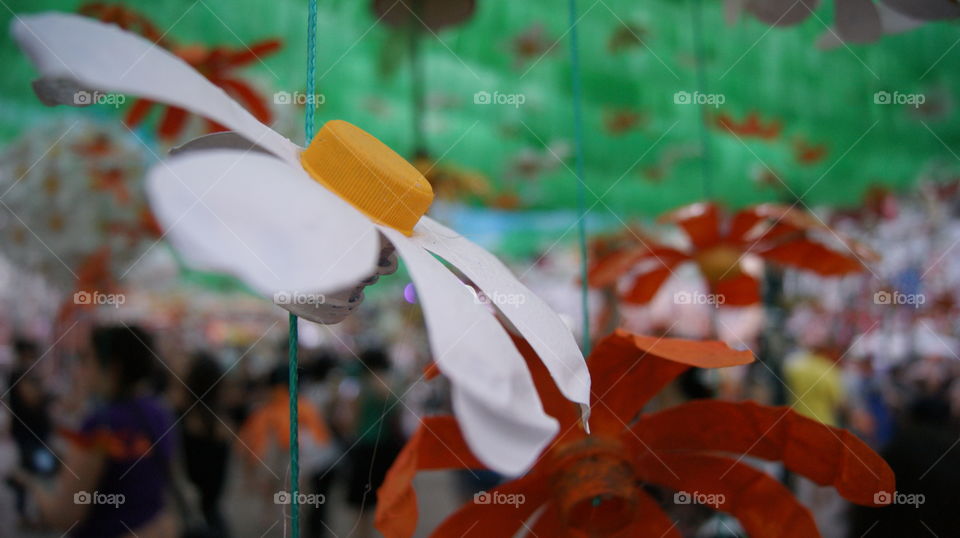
[100, 56]
[271, 225]
[537, 322]
[494, 397]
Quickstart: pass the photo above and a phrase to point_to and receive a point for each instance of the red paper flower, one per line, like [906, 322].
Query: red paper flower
[593, 484]
[718, 245]
[216, 63]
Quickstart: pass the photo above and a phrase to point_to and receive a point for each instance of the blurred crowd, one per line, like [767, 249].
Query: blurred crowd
[132, 446]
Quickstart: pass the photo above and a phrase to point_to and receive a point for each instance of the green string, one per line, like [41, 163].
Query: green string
[581, 186]
[293, 335]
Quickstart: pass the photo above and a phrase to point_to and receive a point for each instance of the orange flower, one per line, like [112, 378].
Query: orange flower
[216, 63]
[593, 484]
[776, 233]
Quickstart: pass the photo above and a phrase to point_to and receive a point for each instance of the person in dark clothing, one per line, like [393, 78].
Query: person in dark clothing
[116, 474]
[927, 468]
[206, 441]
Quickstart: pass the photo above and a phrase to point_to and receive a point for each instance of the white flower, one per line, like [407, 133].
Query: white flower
[259, 214]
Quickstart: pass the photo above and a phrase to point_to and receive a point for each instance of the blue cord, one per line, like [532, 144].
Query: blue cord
[581, 186]
[293, 335]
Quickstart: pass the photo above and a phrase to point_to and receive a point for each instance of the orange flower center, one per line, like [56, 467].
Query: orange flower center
[365, 172]
[595, 486]
[720, 262]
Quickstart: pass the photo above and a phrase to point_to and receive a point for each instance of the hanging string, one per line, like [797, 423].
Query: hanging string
[696, 22]
[581, 186]
[293, 336]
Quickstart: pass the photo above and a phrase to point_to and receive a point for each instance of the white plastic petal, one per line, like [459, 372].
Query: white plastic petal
[101, 56]
[271, 225]
[495, 400]
[537, 322]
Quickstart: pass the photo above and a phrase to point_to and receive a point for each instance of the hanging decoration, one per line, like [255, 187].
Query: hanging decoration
[599, 484]
[722, 247]
[855, 21]
[217, 63]
[295, 223]
[75, 246]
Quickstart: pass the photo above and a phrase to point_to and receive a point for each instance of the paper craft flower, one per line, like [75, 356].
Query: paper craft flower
[596, 484]
[215, 63]
[303, 222]
[855, 21]
[719, 246]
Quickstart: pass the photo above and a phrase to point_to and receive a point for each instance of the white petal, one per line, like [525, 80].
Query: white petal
[537, 322]
[496, 401]
[271, 225]
[100, 56]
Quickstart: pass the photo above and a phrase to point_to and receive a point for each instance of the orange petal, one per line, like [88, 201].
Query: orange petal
[501, 511]
[742, 223]
[257, 51]
[806, 254]
[651, 520]
[137, 112]
[251, 100]
[646, 286]
[554, 402]
[701, 221]
[739, 290]
[826, 455]
[628, 369]
[437, 444]
[763, 505]
[606, 270]
[171, 125]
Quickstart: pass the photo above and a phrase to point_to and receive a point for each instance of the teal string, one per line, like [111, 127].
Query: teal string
[311, 69]
[293, 336]
[292, 340]
[581, 186]
[696, 22]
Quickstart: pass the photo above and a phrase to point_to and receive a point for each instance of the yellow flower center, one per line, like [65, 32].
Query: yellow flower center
[719, 263]
[365, 172]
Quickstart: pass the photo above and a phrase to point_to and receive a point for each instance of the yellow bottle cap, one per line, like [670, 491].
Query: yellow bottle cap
[365, 172]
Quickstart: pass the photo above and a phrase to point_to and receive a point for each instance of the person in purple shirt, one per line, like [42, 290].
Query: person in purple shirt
[116, 474]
